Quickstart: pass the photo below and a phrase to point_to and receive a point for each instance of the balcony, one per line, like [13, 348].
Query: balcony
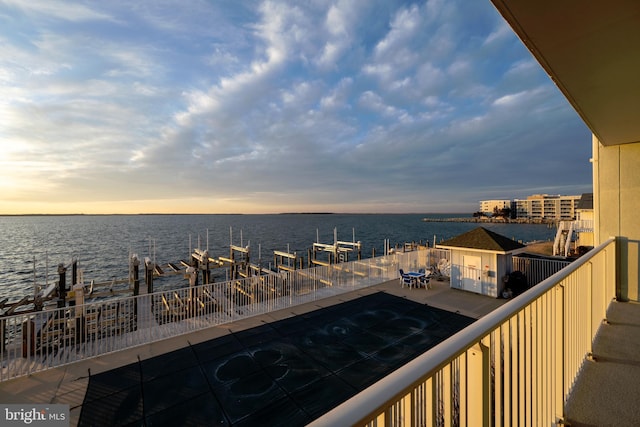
[583, 226]
[522, 363]
[532, 361]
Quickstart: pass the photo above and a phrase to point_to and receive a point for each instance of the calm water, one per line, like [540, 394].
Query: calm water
[102, 243]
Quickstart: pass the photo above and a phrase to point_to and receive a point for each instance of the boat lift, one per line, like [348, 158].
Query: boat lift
[336, 253]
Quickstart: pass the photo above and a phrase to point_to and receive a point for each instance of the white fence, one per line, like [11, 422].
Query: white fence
[37, 341]
[537, 269]
[583, 225]
[515, 366]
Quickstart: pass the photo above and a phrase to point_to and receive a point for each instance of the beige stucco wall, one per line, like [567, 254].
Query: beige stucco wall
[585, 239]
[616, 199]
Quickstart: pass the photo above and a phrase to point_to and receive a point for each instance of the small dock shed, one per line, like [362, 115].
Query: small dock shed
[480, 258]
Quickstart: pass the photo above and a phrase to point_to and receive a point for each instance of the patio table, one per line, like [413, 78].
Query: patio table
[416, 277]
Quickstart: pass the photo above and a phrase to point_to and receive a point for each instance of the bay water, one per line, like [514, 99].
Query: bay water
[31, 247]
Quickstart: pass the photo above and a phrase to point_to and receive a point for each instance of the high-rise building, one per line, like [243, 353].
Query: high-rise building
[545, 206]
[490, 206]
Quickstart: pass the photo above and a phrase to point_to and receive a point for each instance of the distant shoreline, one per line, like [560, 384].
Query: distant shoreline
[228, 213]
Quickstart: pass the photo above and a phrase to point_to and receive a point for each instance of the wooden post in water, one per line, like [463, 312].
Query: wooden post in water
[135, 274]
[75, 275]
[148, 275]
[74, 272]
[3, 335]
[78, 291]
[200, 262]
[247, 262]
[62, 285]
[192, 272]
[195, 278]
[233, 268]
[206, 272]
[28, 338]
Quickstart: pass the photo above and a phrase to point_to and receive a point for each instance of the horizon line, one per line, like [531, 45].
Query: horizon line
[232, 213]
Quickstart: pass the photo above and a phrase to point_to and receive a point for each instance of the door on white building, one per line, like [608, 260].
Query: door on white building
[471, 273]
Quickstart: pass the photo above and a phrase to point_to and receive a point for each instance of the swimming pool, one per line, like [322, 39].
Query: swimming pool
[288, 372]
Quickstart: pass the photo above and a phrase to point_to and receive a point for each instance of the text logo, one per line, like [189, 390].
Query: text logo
[34, 415]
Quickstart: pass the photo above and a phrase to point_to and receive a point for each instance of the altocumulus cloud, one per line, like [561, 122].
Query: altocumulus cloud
[356, 106]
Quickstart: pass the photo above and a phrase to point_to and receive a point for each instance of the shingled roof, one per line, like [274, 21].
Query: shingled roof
[481, 238]
[586, 201]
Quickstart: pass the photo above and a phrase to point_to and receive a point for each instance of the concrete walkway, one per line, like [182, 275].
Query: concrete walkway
[68, 384]
[607, 391]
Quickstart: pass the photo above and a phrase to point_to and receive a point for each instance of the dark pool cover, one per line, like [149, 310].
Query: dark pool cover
[288, 372]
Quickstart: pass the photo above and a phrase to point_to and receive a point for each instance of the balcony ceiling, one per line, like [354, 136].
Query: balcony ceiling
[591, 50]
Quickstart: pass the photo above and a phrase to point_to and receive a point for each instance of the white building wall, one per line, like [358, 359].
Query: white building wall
[490, 273]
[488, 206]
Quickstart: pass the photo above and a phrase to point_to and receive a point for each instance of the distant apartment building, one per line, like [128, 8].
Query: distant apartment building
[545, 206]
[489, 206]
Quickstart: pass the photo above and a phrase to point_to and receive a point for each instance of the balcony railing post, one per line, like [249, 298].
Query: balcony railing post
[558, 355]
[619, 267]
[446, 394]
[541, 346]
[590, 306]
[474, 395]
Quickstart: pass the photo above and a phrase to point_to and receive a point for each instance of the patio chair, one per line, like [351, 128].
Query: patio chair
[405, 280]
[424, 280]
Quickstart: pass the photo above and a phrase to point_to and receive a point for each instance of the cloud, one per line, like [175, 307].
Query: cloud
[403, 27]
[259, 106]
[38, 9]
[338, 22]
[500, 34]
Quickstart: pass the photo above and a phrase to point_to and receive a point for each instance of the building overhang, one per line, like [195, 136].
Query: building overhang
[590, 51]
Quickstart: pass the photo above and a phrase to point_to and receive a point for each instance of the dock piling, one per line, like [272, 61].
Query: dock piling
[28, 338]
[148, 274]
[135, 274]
[74, 272]
[3, 335]
[62, 285]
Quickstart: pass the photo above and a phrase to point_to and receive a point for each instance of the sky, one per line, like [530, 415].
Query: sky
[234, 106]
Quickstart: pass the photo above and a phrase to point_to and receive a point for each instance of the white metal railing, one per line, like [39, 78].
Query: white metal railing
[482, 281]
[583, 225]
[537, 269]
[565, 234]
[515, 366]
[570, 238]
[36, 341]
[436, 260]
